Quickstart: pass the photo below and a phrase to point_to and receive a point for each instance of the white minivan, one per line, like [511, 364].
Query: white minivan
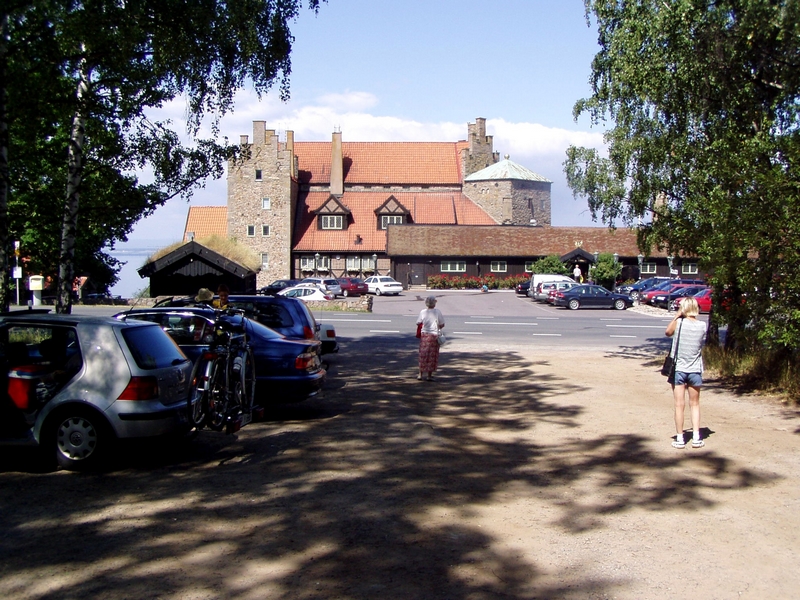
[538, 278]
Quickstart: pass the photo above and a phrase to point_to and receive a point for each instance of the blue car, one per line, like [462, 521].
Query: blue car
[287, 370]
[591, 296]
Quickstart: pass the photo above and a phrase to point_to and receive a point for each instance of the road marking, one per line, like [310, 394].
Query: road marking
[547, 334]
[611, 319]
[495, 323]
[622, 336]
[384, 331]
[359, 320]
[480, 317]
[636, 326]
[469, 332]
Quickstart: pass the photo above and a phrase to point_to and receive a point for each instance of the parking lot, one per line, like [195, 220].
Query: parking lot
[522, 472]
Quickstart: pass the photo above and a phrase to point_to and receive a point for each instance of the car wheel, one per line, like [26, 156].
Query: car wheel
[345, 293]
[574, 305]
[377, 291]
[635, 295]
[619, 304]
[82, 439]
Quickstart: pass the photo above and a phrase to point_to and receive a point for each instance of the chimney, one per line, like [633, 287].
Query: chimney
[337, 166]
[290, 149]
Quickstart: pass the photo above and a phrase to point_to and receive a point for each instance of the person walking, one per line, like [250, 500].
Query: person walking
[576, 274]
[432, 321]
[687, 349]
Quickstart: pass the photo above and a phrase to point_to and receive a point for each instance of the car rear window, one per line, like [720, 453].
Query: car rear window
[271, 314]
[151, 347]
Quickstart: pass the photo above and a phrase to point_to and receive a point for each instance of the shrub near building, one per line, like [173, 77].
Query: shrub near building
[471, 282]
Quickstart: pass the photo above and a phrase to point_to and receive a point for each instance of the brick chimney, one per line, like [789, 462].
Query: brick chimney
[337, 165]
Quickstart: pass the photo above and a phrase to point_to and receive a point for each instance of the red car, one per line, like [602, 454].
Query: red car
[352, 286]
[703, 301]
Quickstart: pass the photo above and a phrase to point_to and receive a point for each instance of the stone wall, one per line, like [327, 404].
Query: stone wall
[512, 202]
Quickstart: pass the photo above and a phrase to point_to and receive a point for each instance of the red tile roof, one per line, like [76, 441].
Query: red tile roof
[401, 163]
[204, 221]
[438, 208]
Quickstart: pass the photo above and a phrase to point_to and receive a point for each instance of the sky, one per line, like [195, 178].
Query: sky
[415, 70]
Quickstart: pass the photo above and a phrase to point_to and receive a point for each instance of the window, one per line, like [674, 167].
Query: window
[266, 203]
[649, 268]
[332, 221]
[251, 230]
[258, 174]
[454, 266]
[499, 266]
[324, 263]
[529, 266]
[265, 230]
[264, 260]
[689, 268]
[306, 263]
[391, 220]
[353, 263]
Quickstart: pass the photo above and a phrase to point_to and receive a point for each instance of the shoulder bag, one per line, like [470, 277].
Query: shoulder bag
[668, 368]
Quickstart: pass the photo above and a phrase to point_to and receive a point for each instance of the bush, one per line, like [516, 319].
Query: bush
[771, 371]
[471, 282]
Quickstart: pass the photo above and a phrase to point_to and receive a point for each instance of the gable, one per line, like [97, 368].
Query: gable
[392, 207]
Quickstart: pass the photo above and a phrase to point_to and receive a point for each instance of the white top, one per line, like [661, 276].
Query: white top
[690, 345]
[431, 319]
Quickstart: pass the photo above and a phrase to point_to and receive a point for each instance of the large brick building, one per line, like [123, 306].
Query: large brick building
[410, 209]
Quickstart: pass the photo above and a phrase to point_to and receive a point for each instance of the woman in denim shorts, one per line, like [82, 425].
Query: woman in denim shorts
[691, 335]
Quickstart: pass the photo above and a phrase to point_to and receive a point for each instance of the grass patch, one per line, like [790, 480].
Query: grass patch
[765, 371]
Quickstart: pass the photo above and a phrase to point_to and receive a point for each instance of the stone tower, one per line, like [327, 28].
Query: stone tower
[261, 192]
[480, 153]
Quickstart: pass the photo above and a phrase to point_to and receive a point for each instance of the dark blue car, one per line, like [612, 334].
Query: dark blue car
[287, 370]
[591, 296]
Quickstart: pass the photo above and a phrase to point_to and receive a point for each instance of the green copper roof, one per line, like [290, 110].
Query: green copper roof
[506, 169]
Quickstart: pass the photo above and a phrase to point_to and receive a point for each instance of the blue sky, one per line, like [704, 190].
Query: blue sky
[417, 70]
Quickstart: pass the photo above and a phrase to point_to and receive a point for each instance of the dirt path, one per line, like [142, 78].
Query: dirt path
[506, 478]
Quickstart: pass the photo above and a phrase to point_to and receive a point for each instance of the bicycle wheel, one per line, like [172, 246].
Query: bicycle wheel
[198, 402]
[246, 385]
[217, 397]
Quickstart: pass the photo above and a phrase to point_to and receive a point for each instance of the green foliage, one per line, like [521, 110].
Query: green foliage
[606, 271]
[704, 153]
[551, 264]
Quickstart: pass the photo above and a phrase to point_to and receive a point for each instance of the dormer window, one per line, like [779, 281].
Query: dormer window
[387, 220]
[332, 221]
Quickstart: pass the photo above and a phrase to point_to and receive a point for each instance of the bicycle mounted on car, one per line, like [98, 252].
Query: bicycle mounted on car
[224, 378]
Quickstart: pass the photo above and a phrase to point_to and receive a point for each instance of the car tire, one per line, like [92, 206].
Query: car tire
[574, 305]
[619, 304]
[80, 438]
[345, 293]
[635, 295]
[378, 291]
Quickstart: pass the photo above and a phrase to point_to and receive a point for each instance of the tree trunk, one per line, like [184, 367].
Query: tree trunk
[4, 141]
[66, 259]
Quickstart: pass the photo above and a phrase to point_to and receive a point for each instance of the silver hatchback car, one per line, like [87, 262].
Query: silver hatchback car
[76, 384]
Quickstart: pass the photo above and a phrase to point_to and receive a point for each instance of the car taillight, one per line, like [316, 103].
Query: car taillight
[308, 333]
[331, 333]
[140, 388]
[305, 362]
[209, 355]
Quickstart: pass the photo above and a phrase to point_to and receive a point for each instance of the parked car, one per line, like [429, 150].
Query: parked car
[383, 284]
[664, 300]
[703, 298]
[591, 296]
[307, 292]
[559, 287]
[634, 290]
[278, 285]
[288, 316]
[327, 335]
[352, 286]
[544, 288]
[538, 278]
[666, 287]
[328, 284]
[286, 370]
[76, 384]
[523, 287]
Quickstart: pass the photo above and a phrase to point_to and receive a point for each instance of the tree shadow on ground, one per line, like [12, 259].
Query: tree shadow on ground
[371, 490]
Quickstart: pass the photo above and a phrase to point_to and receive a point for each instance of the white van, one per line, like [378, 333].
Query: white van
[538, 278]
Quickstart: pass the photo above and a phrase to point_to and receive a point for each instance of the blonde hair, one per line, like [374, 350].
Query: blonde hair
[689, 307]
[430, 301]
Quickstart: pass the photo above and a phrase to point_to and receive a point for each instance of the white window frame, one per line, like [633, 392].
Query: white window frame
[689, 268]
[498, 266]
[387, 220]
[251, 231]
[266, 204]
[307, 263]
[324, 263]
[353, 263]
[332, 221]
[264, 260]
[265, 230]
[453, 266]
[529, 266]
[648, 268]
[258, 175]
